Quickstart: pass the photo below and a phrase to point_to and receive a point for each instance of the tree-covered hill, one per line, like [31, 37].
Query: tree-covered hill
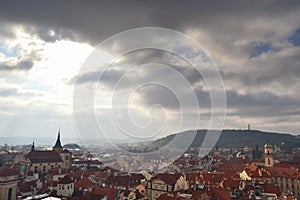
[241, 138]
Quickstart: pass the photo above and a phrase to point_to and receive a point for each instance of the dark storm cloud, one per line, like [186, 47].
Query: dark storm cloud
[226, 29]
[283, 69]
[151, 95]
[51, 34]
[113, 72]
[97, 20]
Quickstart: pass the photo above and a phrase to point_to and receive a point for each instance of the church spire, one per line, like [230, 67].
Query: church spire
[57, 146]
[32, 146]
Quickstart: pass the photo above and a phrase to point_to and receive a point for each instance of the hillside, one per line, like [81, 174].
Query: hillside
[72, 146]
[241, 138]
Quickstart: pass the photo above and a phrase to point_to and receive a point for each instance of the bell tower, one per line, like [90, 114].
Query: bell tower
[269, 155]
[57, 147]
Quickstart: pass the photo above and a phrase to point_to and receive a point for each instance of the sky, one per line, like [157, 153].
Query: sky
[45, 44]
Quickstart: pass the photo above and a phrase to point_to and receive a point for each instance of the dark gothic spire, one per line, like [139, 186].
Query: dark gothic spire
[58, 144]
[32, 147]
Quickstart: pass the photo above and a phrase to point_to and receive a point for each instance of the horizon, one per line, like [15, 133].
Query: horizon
[44, 140]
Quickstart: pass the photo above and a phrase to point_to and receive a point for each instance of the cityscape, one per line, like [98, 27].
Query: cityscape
[149, 100]
[72, 172]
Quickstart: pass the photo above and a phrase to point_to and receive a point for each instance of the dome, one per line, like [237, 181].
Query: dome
[268, 145]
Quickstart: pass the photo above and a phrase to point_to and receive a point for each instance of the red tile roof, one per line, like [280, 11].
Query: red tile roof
[84, 183]
[256, 171]
[230, 184]
[212, 193]
[169, 179]
[56, 171]
[44, 157]
[102, 175]
[47, 185]
[26, 186]
[65, 180]
[111, 193]
[8, 171]
[284, 172]
[79, 173]
[166, 197]
[234, 165]
[128, 180]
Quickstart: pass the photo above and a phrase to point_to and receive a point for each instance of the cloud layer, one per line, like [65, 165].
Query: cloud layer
[255, 45]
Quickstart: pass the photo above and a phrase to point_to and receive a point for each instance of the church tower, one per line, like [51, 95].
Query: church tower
[32, 146]
[269, 155]
[57, 147]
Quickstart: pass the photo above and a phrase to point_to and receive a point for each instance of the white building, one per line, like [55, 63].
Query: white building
[65, 187]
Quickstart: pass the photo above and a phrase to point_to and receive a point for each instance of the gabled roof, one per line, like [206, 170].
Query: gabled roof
[84, 183]
[128, 180]
[43, 157]
[169, 179]
[65, 180]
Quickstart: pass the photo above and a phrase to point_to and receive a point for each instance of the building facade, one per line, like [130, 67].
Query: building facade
[269, 155]
[42, 161]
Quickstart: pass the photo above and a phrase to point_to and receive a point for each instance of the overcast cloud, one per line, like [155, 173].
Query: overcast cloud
[43, 44]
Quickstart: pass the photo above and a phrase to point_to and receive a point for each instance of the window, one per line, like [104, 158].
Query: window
[9, 195]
